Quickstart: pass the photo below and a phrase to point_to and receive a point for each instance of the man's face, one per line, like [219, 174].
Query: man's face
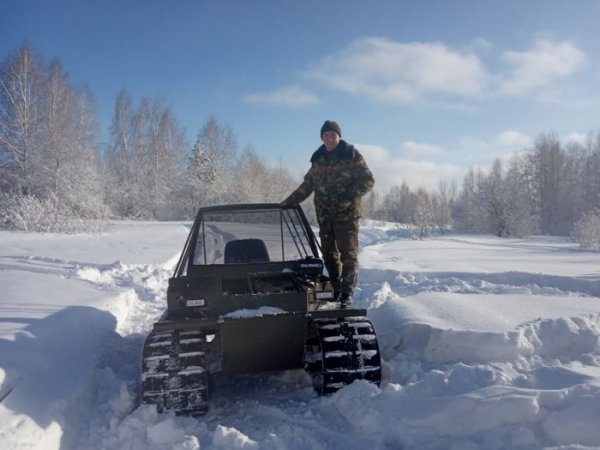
[331, 140]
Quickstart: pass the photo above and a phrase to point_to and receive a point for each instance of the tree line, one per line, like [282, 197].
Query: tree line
[54, 176]
[549, 189]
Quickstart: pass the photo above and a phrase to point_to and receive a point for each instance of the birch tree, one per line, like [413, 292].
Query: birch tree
[68, 155]
[123, 174]
[47, 135]
[546, 166]
[166, 145]
[399, 204]
[520, 220]
[469, 213]
[591, 179]
[443, 202]
[21, 120]
[145, 159]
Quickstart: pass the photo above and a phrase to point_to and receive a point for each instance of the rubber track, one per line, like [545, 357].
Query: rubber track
[174, 375]
[342, 351]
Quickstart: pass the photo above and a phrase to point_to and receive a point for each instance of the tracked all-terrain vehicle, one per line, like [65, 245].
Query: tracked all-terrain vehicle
[249, 294]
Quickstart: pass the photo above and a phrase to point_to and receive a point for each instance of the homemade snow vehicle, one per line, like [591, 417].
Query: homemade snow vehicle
[249, 294]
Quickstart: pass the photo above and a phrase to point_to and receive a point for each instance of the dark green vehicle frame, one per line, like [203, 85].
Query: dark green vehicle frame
[252, 314]
[252, 344]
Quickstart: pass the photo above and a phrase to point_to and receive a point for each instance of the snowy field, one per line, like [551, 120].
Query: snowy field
[488, 344]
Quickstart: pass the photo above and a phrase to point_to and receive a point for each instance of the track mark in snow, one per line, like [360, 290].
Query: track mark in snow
[139, 298]
[138, 291]
[143, 296]
[37, 264]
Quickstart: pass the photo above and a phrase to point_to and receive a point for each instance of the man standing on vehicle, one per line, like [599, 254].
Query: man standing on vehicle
[339, 177]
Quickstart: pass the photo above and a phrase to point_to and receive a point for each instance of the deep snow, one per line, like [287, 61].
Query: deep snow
[487, 343]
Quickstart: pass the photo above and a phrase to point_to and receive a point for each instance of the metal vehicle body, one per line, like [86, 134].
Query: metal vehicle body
[249, 294]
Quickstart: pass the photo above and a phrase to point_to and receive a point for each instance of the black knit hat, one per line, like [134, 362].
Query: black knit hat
[330, 125]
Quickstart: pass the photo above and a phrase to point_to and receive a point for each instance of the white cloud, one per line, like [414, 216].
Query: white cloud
[412, 149]
[540, 66]
[374, 153]
[388, 71]
[513, 139]
[482, 152]
[389, 169]
[575, 137]
[291, 96]
[568, 98]
[391, 71]
[480, 45]
[414, 172]
[409, 166]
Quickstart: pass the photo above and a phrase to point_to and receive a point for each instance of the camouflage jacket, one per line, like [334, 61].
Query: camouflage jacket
[339, 179]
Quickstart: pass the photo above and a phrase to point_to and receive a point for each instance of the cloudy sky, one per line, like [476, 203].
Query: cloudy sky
[425, 89]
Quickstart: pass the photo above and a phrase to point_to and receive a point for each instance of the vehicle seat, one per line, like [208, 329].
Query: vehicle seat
[243, 251]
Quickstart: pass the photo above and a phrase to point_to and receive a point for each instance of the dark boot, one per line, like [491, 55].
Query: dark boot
[345, 300]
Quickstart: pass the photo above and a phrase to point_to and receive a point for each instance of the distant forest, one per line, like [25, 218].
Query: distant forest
[55, 176]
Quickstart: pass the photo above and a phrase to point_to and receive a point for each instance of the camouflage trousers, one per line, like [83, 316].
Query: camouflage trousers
[339, 243]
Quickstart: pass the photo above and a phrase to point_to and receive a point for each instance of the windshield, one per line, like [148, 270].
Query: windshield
[260, 236]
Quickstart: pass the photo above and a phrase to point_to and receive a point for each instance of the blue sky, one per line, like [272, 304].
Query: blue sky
[425, 89]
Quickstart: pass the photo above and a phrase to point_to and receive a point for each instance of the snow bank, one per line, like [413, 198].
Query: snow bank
[465, 389]
[145, 429]
[51, 363]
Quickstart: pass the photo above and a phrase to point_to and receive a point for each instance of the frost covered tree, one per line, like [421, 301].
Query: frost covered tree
[256, 180]
[21, 120]
[505, 200]
[574, 199]
[220, 144]
[546, 163]
[144, 160]
[547, 189]
[520, 219]
[166, 145]
[370, 206]
[123, 176]
[442, 202]
[423, 215]
[399, 204]
[280, 182]
[68, 156]
[469, 211]
[214, 164]
[586, 231]
[47, 136]
[251, 180]
[495, 198]
[496, 202]
[419, 208]
[243, 178]
[591, 168]
[196, 185]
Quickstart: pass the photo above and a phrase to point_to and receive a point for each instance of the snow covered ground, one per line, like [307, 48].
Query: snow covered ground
[487, 343]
